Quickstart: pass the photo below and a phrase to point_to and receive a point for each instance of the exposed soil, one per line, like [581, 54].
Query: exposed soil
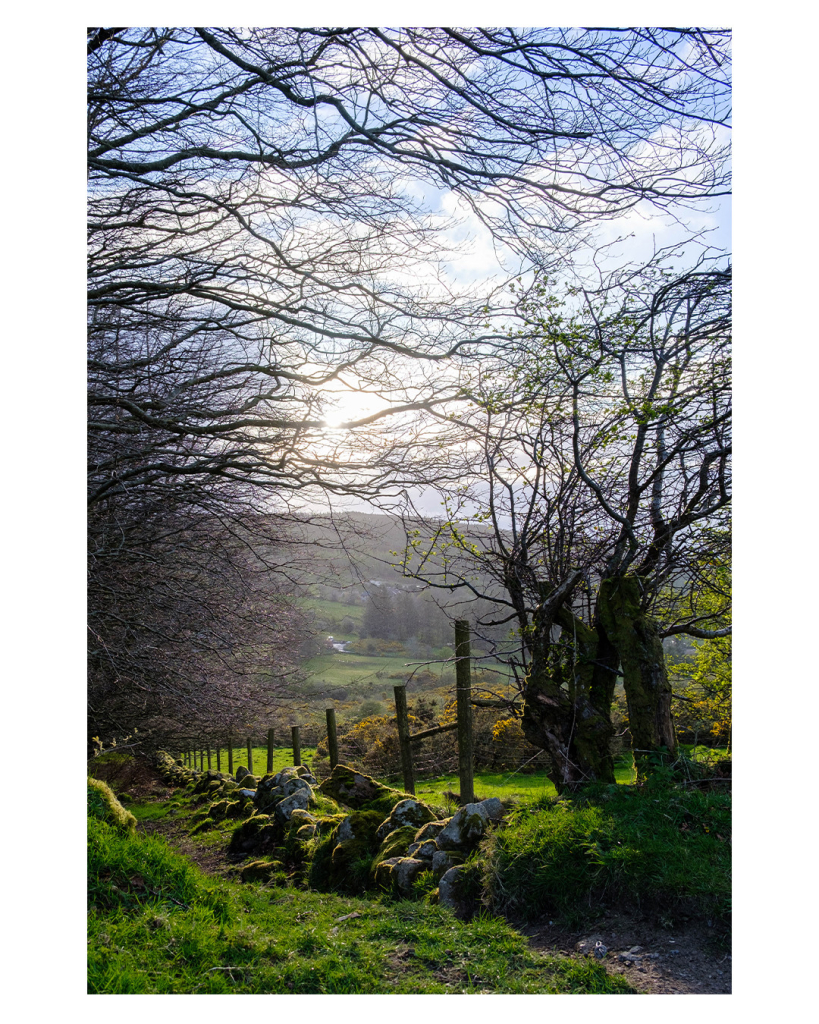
[683, 961]
[687, 960]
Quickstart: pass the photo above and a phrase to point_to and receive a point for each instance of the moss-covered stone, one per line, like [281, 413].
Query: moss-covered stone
[202, 826]
[359, 791]
[406, 812]
[393, 845]
[256, 835]
[103, 804]
[264, 871]
[431, 830]
[218, 810]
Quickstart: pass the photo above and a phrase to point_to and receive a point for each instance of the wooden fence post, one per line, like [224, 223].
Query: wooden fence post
[269, 750]
[332, 738]
[207, 748]
[249, 756]
[402, 721]
[218, 759]
[463, 688]
[201, 759]
[230, 754]
[294, 732]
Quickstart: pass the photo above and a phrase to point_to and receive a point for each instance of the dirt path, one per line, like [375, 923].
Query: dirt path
[683, 961]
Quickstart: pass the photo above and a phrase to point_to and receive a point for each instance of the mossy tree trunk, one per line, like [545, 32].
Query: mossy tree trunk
[635, 635]
[569, 690]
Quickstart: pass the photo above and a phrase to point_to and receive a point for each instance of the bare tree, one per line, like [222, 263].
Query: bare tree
[264, 223]
[599, 487]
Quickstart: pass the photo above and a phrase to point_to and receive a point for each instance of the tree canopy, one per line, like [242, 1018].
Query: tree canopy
[271, 217]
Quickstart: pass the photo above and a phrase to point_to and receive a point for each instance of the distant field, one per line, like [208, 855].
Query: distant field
[335, 609]
[347, 670]
[282, 758]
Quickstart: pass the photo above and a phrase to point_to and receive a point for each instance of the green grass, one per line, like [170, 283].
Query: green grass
[345, 670]
[527, 788]
[156, 925]
[282, 758]
[661, 849]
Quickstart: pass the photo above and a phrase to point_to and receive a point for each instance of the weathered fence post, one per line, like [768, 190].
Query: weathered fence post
[294, 731]
[402, 721]
[201, 759]
[218, 759]
[230, 754]
[207, 748]
[332, 738]
[269, 750]
[249, 756]
[463, 694]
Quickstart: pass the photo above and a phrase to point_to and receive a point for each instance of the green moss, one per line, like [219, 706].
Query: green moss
[203, 826]
[354, 789]
[264, 871]
[103, 804]
[394, 845]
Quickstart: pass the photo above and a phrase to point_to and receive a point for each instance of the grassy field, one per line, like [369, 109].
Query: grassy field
[282, 758]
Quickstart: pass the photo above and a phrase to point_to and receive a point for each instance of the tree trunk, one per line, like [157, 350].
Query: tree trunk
[648, 691]
[568, 701]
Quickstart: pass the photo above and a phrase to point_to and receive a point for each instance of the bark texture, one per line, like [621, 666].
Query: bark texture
[636, 637]
[568, 700]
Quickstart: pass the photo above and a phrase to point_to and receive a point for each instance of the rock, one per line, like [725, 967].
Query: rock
[600, 950]
[493, 808]
[261, 870]
[297, 801]
[448, 884]
[305, 832]
[359, 791]
[297, 771]
[396, 844]
[383, 872]
[423, 851]
[398, 873]
[305, 817]
[443, 860]
[257, 834]
[431, 830]
[273, 789]
[405, 871]
[249, 794]
[405, 812]
[466, 828]
[241, 771]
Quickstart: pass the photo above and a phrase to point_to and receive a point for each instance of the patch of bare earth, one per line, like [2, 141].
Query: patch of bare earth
[683, 961]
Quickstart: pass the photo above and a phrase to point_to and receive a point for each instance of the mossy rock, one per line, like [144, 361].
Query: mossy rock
[218, 810]
[327, 824]
[103, 804]
[203, 826]
[264, 871]
[359, 791]
[256, 835]
[341, 860]
[406, 812]
[234, 808]
[394, 845]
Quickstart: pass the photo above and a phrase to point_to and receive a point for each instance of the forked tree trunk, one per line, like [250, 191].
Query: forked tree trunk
[636, 638]
[567, 709]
